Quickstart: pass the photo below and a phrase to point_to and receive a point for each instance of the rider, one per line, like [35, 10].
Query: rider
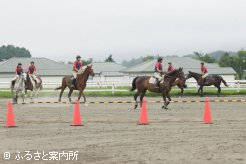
[77, 65]
[170, 67]
[158, 71]
[18, 72]
[31, 71]
[204, 72]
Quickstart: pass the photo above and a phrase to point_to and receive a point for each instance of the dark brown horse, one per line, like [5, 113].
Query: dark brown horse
[181, 84]
[209, 80]
[80, 83]
[142, 85]
[36, 89]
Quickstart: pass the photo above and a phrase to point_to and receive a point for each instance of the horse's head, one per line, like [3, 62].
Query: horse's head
[90, 70]
[189, 75]
[181, 74]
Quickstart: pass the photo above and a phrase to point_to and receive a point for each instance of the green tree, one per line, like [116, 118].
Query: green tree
[10, 51]
[238, 62]
[204, 57]
[88, 61]
[110, 58]
[148, 57]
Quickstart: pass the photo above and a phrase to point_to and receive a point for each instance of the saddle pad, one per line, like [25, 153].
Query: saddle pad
[152, 80]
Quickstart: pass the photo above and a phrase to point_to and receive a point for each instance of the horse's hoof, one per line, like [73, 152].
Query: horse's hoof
[135, 107]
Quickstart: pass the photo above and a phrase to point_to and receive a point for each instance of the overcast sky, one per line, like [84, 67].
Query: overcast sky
[60, 29]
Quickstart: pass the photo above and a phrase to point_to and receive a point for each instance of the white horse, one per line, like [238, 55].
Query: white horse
[19, 86]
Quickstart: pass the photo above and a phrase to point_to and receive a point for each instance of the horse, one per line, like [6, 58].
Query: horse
[142, 84]
[36, 89]
[18, 86]
[208, 81]
[80, 85]
[181, 84]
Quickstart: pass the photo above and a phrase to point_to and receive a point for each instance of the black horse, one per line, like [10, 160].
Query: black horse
[209, 80]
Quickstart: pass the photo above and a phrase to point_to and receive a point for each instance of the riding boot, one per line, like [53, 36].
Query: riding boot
[158, 85]
[12, 83]
[73, 83]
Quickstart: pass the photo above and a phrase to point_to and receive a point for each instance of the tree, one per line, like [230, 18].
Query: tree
[148, 57]
[109, 59]
[238, 62]
[10, 51]
[204, 57]
[88, 61]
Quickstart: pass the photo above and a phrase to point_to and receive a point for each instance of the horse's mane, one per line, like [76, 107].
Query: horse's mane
[171, 73]
[194, 73]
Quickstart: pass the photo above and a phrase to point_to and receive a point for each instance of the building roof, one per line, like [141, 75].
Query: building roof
[108, 68]
[45, 67]
[188, 64]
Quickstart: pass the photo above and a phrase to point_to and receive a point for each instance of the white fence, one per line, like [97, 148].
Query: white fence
[117, 87]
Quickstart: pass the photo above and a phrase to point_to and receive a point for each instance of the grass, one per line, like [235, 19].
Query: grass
[123, 93]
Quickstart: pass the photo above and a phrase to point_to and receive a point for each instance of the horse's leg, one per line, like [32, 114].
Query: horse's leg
[23, 96]
[219, 90]
[169, 98]
[69, 95]
[31, 95]
[37, 90]
[135, 98]
[62, 90]
[16, 96]
[164, 99]
[182, 91]
[201, 88]
[84, 98]
[141, 97]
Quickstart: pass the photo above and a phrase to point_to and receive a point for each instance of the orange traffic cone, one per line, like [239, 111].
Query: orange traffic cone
[143, 120]
[207, 116]
[10, 122]
[77, 121]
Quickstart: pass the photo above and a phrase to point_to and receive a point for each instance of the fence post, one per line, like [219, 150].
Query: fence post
[113, 89]
[238, 86]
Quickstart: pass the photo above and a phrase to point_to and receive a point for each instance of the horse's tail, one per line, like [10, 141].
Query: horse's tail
[224, 82]
[58, 88]
[134, 84]
[41, 86]
[185, 86]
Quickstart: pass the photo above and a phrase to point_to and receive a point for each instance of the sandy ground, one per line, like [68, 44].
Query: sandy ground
[111, 135]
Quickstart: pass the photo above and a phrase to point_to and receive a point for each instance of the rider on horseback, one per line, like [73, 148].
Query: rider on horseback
[170, 67]
[204, 72]
[158, 71]
[77, 65]
[31, 71]
[18, 72]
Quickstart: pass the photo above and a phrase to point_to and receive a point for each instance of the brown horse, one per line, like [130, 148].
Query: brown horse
[36, 89]
[209, 80]
[80, 83]
[142, 85]
[181, 84]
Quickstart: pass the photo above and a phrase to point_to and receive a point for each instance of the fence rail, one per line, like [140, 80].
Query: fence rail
[113, 86]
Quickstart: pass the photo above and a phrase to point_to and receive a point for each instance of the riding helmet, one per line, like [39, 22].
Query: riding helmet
[78, 56]
[32, 62]
[19, 64]
[169, 63]
[159, 59]
[202, 63]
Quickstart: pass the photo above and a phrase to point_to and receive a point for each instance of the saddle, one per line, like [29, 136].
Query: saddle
[153, 80]
[206, 80]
